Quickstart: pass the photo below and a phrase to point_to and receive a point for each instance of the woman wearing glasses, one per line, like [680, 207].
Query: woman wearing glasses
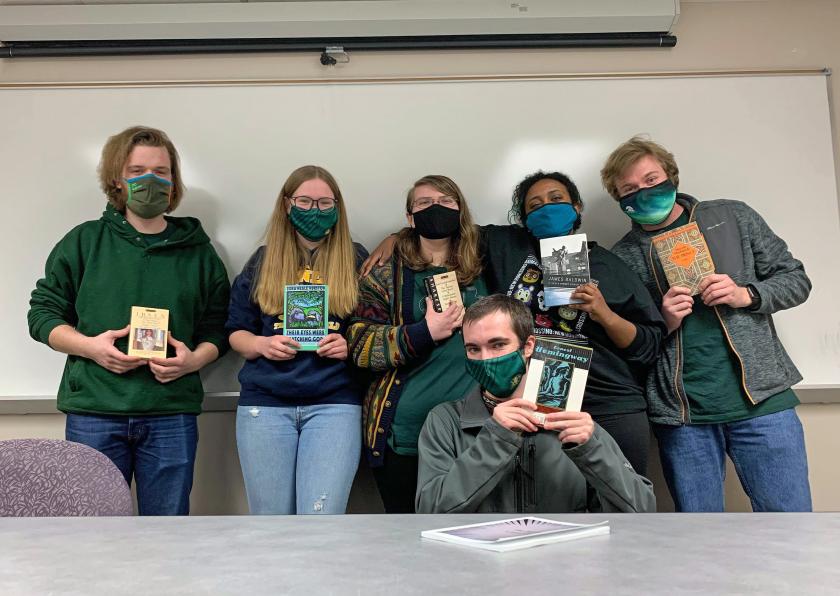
[416, 351]
[298, 420]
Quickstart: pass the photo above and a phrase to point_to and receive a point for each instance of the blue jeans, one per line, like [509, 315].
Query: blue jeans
[768, 453]
[299, 459]
[158, 451]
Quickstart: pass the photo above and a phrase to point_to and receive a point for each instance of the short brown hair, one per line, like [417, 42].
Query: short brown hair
[629, 153]
[520, 317]
[115, 153]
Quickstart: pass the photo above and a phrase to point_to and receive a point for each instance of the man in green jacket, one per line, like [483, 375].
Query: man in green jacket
[489, 453]
[140, 413]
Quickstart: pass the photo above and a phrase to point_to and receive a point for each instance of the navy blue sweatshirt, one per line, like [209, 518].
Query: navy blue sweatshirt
[306, 379]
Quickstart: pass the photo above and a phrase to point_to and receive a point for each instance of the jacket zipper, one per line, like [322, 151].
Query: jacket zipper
[517, 483]
[681, 397]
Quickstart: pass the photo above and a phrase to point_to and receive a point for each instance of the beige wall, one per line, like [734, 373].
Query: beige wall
[712, 35]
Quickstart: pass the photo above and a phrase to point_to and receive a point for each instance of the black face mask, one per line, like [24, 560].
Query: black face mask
[437, 222]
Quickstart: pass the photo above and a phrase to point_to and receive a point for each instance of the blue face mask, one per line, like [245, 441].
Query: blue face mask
[650, 206]
[552, 219]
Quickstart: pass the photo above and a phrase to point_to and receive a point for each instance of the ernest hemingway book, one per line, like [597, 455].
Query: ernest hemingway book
[148, 334]
[557, 375]
[565, 265]
[684, 256]
[305, 314]
[443, 290]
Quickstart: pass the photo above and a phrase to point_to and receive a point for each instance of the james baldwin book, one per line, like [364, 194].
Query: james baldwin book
[684, 256]
[148, 334]
[305, 314]
[565, 265]
[557, 375]
[443, 290]
[514, 534]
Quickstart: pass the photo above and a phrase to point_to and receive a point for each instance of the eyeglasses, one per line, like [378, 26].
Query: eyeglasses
[306, 203]
[425, 202]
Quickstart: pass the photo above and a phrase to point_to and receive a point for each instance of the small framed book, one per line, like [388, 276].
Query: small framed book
[443, 290]
[148, 334]
[684, 256]
[557, 375]
[514, 534]
[306, 314]
[565, 265]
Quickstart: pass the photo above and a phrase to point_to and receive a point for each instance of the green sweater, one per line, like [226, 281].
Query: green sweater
[93, 277]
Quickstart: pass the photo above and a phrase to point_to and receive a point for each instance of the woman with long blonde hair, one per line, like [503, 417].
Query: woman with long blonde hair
[417, 351]
[298, 420]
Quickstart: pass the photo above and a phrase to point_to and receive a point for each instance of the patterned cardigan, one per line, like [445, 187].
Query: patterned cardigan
[382, 337]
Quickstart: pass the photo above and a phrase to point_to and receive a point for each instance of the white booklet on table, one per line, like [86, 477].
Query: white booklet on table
[513, 534]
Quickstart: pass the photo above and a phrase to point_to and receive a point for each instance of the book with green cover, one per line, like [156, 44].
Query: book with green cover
[306, 314]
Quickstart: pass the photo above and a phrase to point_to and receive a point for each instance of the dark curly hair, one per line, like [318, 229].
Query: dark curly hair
[516, 215]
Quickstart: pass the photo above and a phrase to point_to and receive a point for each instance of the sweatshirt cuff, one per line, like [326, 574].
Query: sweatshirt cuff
[220, 341]
[46, 328]
[419, 338]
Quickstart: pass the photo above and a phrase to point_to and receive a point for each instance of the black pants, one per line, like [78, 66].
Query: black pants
[396, 480]
[632, 433]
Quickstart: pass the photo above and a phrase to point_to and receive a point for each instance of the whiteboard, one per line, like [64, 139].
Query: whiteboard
[765, 140]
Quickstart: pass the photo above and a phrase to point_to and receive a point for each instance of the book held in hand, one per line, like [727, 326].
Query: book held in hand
[148, 334]
[684, 256]
[305, 314]
[516, 533]
[565, 265]
[443, 290]
[557, 375]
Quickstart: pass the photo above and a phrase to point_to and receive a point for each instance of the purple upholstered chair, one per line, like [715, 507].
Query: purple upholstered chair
[48, 478]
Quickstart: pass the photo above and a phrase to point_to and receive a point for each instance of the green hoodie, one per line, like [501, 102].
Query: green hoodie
[93, 277]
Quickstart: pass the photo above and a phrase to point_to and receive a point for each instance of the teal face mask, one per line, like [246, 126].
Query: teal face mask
[313, 224]
[650, 206]
[148, 195]
[500, 376]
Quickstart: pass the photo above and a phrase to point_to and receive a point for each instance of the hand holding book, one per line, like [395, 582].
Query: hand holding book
[443, 324]
[333, 346]
[277, 347]
[516, 415]
[183, 363]
[572, 427]
[100, 348]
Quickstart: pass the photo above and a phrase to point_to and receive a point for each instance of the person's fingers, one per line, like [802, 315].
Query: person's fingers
[520, 403]
[174, 342]
[119, 332]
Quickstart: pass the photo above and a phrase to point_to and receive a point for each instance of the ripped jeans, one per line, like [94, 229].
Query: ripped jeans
[298, 459]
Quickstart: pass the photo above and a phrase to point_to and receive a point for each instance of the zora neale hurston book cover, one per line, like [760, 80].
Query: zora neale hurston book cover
[147, 338]
[557, 375]
[565, 264]
[305, 314]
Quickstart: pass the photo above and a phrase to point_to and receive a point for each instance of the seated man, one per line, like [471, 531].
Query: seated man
[487, 453]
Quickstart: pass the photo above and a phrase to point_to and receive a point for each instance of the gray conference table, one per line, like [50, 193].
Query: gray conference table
[379, 554]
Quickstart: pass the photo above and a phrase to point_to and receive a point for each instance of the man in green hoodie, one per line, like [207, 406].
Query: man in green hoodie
[140, 413]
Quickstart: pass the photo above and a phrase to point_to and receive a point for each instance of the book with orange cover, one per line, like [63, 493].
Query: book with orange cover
[684, 256]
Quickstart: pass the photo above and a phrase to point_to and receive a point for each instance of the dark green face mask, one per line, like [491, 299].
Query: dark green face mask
[148, 195]
[313, 224]
[501, 375]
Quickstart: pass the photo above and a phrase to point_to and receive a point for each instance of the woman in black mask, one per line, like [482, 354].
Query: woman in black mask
[416, 352]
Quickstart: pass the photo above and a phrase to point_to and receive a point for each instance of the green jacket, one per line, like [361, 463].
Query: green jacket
[469, 463]
[93, 277]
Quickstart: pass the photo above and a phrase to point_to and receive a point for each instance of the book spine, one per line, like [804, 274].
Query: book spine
[431, 290]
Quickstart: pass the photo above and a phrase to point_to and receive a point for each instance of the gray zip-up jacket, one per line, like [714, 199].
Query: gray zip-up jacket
[744, 247]
[470, 463]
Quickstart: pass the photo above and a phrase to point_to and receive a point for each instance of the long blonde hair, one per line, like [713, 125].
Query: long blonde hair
[284, 259]
[463, 250]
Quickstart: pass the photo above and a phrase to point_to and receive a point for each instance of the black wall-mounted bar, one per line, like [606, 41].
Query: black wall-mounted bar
[40, 49]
